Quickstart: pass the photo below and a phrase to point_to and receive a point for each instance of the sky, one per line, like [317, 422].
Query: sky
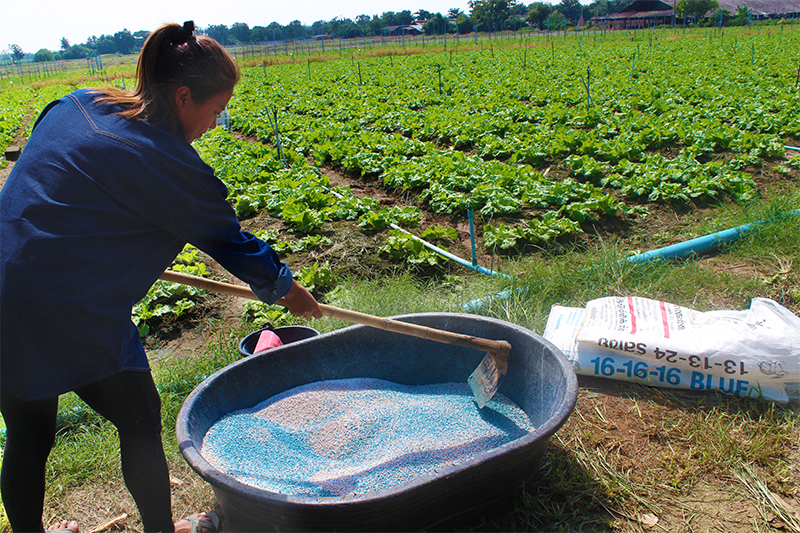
[42, 23]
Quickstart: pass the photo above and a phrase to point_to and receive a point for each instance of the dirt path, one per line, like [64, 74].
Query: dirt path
[19, 140]
[5, 171]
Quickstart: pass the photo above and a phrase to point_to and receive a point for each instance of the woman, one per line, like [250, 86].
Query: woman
[106, 194]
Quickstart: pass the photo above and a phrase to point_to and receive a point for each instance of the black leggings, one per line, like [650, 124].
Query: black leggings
[131, 402]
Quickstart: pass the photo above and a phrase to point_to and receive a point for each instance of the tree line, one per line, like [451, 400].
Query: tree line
[483, 16]
[122, 42]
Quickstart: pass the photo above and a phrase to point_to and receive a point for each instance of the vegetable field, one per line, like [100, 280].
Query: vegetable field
[544, 140]
[627, 124]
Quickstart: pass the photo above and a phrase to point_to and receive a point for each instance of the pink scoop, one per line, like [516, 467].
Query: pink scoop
[267, 340]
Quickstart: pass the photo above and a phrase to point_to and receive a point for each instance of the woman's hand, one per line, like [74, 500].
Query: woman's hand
[299, 302]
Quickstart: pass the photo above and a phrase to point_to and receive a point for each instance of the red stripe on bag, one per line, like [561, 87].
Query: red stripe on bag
[633, 315]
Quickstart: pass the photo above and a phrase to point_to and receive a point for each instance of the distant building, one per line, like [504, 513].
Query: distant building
[408, 29]
[651, 13]
[637, 14]
[764, 9]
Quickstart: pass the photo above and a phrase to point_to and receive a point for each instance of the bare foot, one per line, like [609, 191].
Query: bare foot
[185, 525]
[72, 524]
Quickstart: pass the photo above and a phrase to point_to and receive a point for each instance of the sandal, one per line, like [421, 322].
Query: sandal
[198, 524]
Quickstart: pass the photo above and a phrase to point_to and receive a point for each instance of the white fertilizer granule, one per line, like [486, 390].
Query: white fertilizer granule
[353, 436]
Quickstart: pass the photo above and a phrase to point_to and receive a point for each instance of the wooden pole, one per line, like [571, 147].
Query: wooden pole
[109, 524]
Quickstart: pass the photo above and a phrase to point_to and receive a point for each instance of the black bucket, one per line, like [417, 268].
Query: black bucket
[287, 335]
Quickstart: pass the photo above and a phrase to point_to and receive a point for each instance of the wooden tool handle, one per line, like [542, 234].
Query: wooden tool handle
[208, 284]
[497, 348]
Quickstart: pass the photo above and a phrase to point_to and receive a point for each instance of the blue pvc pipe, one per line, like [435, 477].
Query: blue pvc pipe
[674, 251]
[699, 244]
[792, 148]
[476, 305]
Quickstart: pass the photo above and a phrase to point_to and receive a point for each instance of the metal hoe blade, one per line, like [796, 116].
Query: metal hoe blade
[486, 379]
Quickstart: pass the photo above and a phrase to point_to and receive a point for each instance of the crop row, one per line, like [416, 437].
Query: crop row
[480, 130]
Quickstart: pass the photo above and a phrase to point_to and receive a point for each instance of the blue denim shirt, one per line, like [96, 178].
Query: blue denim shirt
[96, 207]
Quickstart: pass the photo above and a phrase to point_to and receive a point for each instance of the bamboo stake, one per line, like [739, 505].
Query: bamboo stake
[107, 525]
[796, 83]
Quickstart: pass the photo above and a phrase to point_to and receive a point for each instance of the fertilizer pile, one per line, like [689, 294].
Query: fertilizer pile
[354, 436]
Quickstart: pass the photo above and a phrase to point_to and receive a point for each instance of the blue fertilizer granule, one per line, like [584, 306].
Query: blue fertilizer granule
[354, 436]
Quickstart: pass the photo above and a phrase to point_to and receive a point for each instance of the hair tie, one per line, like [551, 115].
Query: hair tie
[185, 33]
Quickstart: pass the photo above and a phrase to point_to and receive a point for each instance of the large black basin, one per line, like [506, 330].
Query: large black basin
[540, 380]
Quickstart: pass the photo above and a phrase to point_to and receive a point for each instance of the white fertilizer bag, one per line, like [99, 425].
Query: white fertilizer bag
[752, 353]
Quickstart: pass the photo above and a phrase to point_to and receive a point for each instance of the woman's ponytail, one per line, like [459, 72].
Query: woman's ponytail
[172, 57]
